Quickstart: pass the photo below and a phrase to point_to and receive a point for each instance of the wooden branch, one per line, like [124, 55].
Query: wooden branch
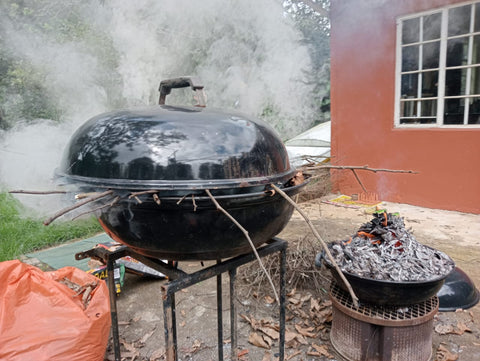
[181, 199]
[19, 191]
[136, 194]
[86, 195]
[365, 167]
[359, 181]
[322, 242]
[115, 201]
[75, 206]
[194, 203]
[245, 232]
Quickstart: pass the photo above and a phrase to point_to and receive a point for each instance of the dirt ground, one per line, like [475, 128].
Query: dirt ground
[456, 335]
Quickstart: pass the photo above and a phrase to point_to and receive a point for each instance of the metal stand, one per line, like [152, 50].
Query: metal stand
[179, 280]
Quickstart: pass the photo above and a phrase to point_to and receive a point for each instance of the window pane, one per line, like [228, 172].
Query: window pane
[429, 84]
[409, 85]
[418, 121]
[475, 81]
[477, 18]
[474, 111]
[408, 108]
[457, 51]
[453, 111]
[431, 55]
[429, 108]
[459, 20]
[455, 82]
[410, 58]
[431, 26]
[410, 31]
[476, 50]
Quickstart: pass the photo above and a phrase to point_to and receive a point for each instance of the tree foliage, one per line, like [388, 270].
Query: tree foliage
[25, 93]
[312, 20]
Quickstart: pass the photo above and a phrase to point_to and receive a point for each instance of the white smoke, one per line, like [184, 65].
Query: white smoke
[247, 53]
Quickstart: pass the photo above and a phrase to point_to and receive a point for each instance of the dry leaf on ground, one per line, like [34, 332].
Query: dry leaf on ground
[257, 340]
[307, 332]
[320, 350]
[296, 353]
[443, 354]
[443, 329]
[157, 354]
[462, 328]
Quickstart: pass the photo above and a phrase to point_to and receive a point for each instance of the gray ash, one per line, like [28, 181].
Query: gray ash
[383, 249]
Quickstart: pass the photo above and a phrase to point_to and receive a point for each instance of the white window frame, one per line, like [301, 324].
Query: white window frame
[440, 98]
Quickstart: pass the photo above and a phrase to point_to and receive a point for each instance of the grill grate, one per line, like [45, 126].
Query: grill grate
[381, 333]
[417, 311]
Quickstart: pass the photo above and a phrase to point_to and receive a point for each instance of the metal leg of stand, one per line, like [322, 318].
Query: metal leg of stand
[219, 316]
[113, 308]
[233, 314]
[181, 280]
[283, 265]
[170, 325]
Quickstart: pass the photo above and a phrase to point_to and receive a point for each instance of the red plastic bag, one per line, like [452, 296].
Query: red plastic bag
[42, 319]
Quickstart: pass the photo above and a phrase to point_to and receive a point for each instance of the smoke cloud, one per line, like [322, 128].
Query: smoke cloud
[247, 53]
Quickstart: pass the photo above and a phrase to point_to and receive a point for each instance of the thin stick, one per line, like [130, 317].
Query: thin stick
[75, 206]
[194, 203]
[181, 199]
[86, 195]
[37, 192]
[365, 167]
[245, 232]
[322, 242]
[98, 208]
[359, 181]
[135, 194]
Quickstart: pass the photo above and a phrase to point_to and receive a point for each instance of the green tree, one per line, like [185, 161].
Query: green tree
[25, 92]
[312, 19]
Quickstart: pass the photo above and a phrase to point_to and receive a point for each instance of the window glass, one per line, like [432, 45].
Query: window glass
[459, 20]
[476, 27]
[431, 26]
[429, 108]
[409, 85]
[476, 50]
[475, 81]
[454, 111]
[457, 51]
[431, 50]
[410, 58]
[411, 31]
[429, 84]
[431, 55]
[455, 80]
[409, 108]
[474, 111]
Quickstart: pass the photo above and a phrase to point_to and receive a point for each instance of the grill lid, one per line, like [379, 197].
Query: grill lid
[171, 147]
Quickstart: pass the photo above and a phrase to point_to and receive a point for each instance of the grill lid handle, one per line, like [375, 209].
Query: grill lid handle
[193, 82]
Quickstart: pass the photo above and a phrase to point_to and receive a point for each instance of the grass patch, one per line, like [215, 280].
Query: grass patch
[19, 235]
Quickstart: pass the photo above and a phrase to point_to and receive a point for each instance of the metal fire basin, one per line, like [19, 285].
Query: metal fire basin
[381, 333]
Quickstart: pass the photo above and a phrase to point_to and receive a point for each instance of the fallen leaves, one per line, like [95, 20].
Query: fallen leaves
[308, 318]
[459, 329]
[84, 291]
[443, 354]
[259, 340]
[319, 350]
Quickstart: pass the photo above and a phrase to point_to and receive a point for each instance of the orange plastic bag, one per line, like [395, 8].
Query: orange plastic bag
[42, 319]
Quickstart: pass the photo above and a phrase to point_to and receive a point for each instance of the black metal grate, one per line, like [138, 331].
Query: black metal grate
[390, 313]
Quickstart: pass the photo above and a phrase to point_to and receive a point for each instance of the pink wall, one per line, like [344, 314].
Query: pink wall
[363, 41]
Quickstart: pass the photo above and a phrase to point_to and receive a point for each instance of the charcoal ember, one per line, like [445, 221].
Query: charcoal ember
[384, 249]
